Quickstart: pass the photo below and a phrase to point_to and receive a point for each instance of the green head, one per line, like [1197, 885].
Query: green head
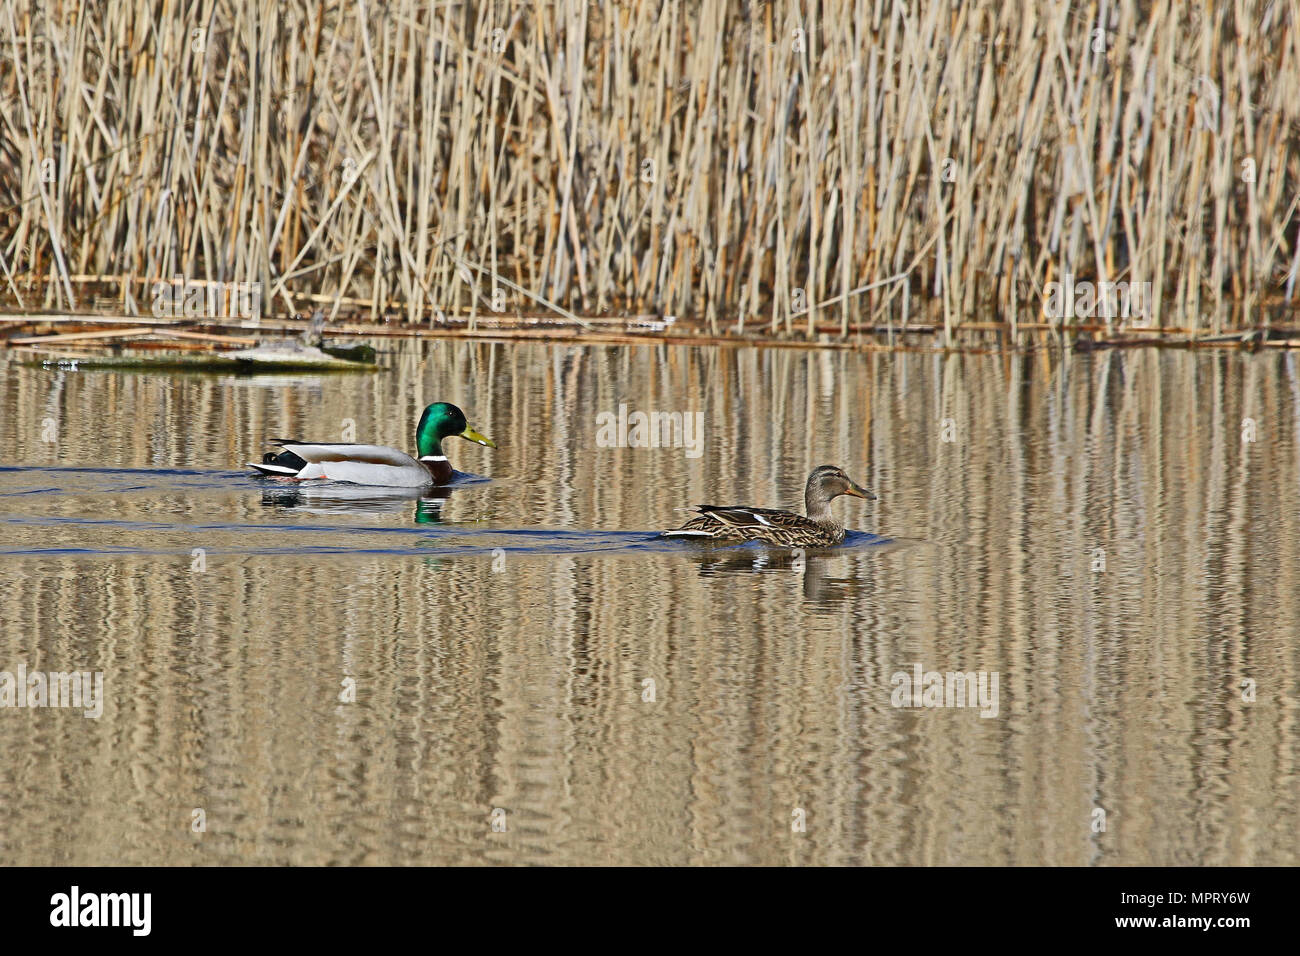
[441, 420]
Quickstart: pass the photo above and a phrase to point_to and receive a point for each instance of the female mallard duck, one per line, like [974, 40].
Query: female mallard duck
[377, 464]
[782, 528]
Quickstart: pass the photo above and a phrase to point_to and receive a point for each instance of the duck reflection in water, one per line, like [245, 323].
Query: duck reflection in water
[812, 567]
[331, 498]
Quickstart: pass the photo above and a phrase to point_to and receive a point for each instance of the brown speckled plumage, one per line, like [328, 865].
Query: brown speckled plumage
[785, 529]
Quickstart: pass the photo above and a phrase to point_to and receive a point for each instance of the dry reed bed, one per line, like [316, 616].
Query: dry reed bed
[751, 166]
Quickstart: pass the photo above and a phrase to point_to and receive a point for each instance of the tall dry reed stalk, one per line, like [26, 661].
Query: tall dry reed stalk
[752, 165]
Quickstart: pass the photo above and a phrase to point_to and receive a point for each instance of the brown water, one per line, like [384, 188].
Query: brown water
[499, 638]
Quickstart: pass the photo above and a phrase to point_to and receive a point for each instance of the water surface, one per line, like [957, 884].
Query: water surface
[1100, 531]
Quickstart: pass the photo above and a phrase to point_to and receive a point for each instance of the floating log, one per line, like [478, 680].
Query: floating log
[80, 336]
[292, 354]
[188, 362]
[208, 337]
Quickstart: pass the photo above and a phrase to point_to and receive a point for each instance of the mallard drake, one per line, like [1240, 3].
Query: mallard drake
[377, 465]
[782, 528]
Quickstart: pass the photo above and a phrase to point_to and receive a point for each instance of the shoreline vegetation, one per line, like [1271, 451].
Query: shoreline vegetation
[143, 342]
[845, 174]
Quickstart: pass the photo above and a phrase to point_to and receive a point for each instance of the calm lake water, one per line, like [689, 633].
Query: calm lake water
[1098, 531]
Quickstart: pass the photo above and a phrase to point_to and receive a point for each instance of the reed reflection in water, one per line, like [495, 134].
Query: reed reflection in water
[1100, 532]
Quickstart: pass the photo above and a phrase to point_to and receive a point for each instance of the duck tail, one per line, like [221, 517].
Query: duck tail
[285, 463]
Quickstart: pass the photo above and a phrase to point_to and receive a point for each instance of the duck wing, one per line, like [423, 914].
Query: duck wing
[359, 464]
[742, 518]
[322, 452]
[768, 525]
[701, 526]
